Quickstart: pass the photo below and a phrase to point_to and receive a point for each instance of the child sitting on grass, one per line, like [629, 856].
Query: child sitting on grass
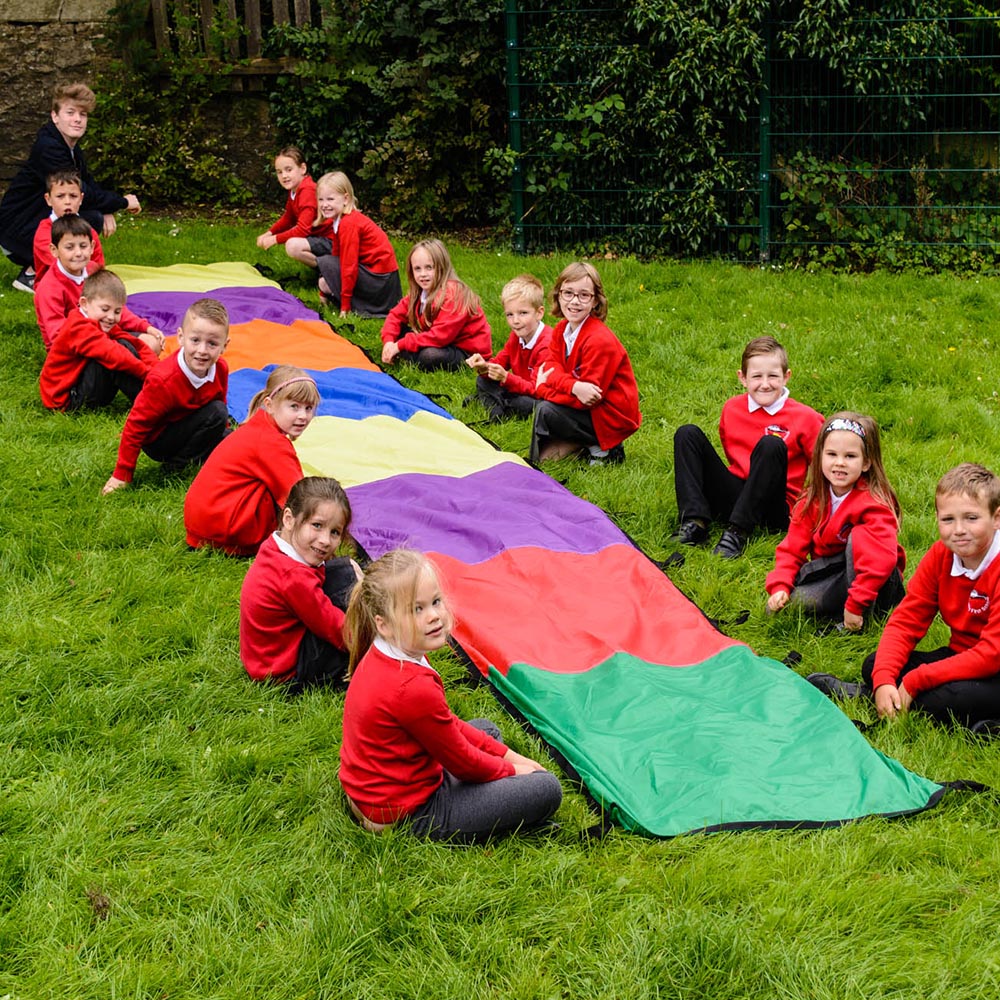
[767, 437]
[59, 289]
[297, 221]
[63, 195]
[180, 413]
[441, 321]
[235, 501]
[588, 400]
[506, 385]
[841, 557]
[92, 358]
[404, 755]
[958, 578]
[295, 593]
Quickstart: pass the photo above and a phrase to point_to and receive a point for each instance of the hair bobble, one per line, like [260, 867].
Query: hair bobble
[843, 424]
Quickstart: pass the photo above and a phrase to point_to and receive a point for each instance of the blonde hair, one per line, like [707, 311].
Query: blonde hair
[208, 309]
[387, 591]
[338, 181]
[577, 271]
[286, 382]
[103, 284]
[73, 92]
[971, 480]
[463, 298]
[816, 489]
[524, 286]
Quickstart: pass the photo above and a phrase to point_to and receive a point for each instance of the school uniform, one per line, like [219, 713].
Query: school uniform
[58, 293]
[284, 601]
[23, 205]
[857, 521]
[591, 353]
[442, 339]
[962, 679]
[177, 418]
[42, 248]
[361, 269]
[88, 367]
[768, 450]
[234, 502]
[300, 213]
[515, 396]
[404, 754]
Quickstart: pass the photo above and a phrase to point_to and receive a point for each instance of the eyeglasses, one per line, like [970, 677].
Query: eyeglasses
[582, 297]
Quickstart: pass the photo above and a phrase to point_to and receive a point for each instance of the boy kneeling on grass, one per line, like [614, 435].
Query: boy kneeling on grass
[959, 578]
[180, 415]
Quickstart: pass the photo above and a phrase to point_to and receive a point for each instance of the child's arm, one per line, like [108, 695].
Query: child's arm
[875, 542]
[51, 308]
[144, 420]
[307, 601]
[792, 552]
[391, 329]
[448, 324]
[600, 356]
[298, 217]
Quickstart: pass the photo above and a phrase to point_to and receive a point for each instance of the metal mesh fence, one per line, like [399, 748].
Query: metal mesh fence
[888, 153]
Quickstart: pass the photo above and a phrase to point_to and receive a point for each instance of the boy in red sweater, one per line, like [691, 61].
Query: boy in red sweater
[506, 385]
[768, 439]
[958, 578]
[92, 357]
[64, 195]
[180, 415]
[59, 290]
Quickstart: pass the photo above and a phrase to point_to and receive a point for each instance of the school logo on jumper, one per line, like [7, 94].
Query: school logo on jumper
[845, 531]
[979, 604]
[777, 431]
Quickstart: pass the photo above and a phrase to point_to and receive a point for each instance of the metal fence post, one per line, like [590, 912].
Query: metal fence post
[764, 207]
[514, 118]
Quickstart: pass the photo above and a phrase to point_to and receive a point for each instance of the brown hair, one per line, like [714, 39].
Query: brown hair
[62, 177]
[73, 92]
[576, 272]
[816, 489]
[308, 493]
[763, 345]
[209, 309]
[447, 285]
[338, 181]
[387, 590]
[71, 225]
[103, 284]
[971, 480]
[286, 382]
[524, 286]
[293, 153]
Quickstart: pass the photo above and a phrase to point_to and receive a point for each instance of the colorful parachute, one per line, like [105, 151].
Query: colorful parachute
[671, 725]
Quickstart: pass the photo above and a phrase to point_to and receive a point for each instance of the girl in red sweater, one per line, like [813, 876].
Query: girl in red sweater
[404, 754]
[295, 592]
[297, 221]
[441, 322]
[234, 502]
[841, 556]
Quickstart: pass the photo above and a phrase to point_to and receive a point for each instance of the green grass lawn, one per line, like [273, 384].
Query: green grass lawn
[168, 830]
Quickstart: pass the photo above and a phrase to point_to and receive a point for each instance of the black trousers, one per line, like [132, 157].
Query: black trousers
[554, 421]
[501, 403]
[98, 386]
[707, 490]
[192, 438]
[965, 702]
[320, 662]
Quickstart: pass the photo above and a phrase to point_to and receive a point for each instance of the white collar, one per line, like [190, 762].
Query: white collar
[527, 345]
[957, 569]
[196, 380]
[836, 501]
[336, 224]
[394, 652]
[78, 279]
[289, 550]
[773, 408]
[571, 333]
[53, 216]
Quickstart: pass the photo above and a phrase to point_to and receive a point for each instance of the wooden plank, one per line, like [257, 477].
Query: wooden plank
[252, 14]
[279, 8]
[234, 42]
[303, 14]
[160, 32]
[207, 17]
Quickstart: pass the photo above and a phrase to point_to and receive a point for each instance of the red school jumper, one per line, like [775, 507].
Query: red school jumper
[358, 240]
[300, 214]
[42, 248]
[521, 364]
[166, 396]
[598, 356]
[234, 502]
[469, 332]
[875, 533]
[970, 608]
[795, 423]
[400, 736]
[281, 600]
[57, 294]
[81, 340]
